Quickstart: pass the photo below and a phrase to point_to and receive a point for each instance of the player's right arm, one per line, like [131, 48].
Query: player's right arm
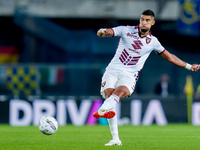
[105, 32]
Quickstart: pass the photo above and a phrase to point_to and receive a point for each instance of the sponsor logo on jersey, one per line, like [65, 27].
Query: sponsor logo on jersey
[126, 59]
[132, 35]
[134, 51]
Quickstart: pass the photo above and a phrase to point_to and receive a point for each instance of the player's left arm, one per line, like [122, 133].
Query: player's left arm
[175, 60]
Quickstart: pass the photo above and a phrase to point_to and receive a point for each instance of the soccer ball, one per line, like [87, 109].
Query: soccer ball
[48, 125]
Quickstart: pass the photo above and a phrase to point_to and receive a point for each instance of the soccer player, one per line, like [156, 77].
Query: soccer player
[119, 79]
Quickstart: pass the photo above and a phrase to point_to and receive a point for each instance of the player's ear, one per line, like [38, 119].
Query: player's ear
[153, 22]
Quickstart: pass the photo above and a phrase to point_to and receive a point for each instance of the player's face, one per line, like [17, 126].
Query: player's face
[145, 23]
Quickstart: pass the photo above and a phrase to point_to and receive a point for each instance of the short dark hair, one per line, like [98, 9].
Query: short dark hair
[148, 12]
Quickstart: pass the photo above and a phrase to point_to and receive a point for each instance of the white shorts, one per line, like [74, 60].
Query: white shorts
[115, 78]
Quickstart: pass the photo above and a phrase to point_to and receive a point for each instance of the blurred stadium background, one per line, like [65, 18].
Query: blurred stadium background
[49, 52]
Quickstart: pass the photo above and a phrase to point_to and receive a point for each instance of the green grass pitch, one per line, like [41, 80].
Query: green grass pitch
[170, 137]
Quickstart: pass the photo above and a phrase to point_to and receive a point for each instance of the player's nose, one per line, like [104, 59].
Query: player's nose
[144, 23]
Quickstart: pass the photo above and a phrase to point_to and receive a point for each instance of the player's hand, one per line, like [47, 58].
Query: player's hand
[101, 32]
[105, 33]
[195, 67]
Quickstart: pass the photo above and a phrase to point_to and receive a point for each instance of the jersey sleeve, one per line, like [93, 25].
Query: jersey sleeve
[158, 48]
[118, 31]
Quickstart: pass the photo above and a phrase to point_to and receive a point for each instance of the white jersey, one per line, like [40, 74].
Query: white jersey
[133, 50]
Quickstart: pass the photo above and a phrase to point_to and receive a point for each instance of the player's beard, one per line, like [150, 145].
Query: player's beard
[144, 30]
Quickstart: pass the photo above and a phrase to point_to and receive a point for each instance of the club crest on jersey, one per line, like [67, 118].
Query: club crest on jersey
[148, 40]
[103, 84]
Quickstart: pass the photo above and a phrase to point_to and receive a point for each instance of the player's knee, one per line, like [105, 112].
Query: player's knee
[122, 92]
[108, 92]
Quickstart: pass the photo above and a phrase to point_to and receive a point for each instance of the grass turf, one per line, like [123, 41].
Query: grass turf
[170, 137]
